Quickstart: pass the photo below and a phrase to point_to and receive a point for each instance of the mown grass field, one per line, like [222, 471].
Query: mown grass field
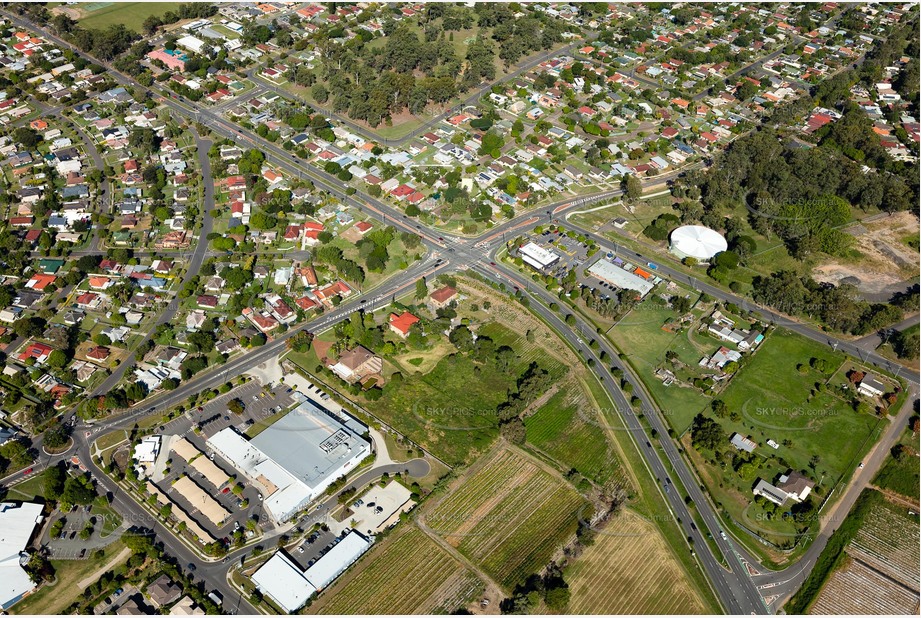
[410, 574]
[132, 14]
[630, 570]
[509, 516]
[774, 402]
[641, 337]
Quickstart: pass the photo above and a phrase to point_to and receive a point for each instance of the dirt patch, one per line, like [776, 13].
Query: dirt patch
[886, 260]
[74, 13]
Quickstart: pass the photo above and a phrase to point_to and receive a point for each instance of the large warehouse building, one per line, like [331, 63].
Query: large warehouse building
[290, 587]
[296, 458]
[620, 278]
[17, 523]
[696, 241]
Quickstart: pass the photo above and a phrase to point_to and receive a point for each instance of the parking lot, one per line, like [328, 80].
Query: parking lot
[572, 252]
[69, 546]
[259, 404]
[314, 546]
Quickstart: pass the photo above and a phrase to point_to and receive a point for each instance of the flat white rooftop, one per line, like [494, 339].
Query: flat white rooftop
[17, 523]
[537, 256]
[284, 582]
[617, 276]
[325, 570]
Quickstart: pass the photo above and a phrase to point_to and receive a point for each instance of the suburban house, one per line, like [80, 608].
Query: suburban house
[442, 297]
[357, 364]
[796, 485]
[871, 387]
[768, 491]
[162, 591]
[400, 324]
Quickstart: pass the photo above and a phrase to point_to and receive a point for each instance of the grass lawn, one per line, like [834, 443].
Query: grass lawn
[54, 599]
[132, 14]
[640, 336]
[28, 491]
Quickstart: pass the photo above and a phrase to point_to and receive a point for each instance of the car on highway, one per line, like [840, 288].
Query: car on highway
[29, 471]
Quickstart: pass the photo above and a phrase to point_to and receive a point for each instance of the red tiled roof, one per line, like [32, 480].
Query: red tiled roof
[403, 322]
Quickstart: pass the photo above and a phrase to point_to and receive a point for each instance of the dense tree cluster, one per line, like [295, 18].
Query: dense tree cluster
[706, 433]
[407, 72]
[840, 307]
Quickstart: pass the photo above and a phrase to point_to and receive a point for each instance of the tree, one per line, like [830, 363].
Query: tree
[632, 187]
[53, 482]
[421, 289]
[57, 359]
[557, 598]
[706, 433]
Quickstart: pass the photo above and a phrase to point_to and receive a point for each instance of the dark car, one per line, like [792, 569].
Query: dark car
[191, 566]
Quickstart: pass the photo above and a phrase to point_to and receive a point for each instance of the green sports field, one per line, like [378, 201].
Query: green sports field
[132, 14]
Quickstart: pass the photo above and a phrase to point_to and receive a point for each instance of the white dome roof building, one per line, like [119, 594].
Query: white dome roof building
[696, 241]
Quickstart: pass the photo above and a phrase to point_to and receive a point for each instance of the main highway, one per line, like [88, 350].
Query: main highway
[735, 586]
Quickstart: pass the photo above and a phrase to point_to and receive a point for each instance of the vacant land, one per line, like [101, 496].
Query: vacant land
[451, 409]
[132, 14]
[630, 570]
[641, 337]
[902, 472]
[409, 574]
[880, 573]
[54, 599]
[567, 428]
[509, 516]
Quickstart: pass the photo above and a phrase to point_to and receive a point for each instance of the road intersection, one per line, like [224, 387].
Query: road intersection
[737, 588]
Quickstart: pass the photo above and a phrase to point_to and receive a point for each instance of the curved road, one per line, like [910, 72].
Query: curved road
[735, 587]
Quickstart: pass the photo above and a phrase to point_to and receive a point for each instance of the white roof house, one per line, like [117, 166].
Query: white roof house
[191, 43]
[17, 523]
[147, 450]
[284, 582]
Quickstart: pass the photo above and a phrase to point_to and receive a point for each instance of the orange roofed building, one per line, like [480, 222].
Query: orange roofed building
[400, 324]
